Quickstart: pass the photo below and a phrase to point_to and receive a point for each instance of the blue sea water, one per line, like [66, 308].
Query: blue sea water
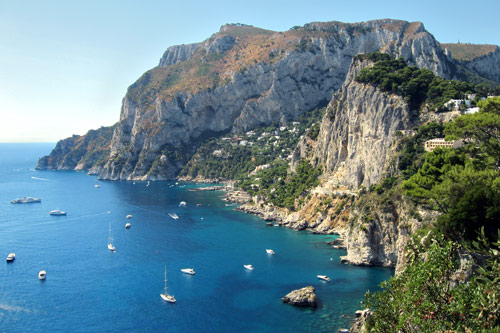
[89, 289]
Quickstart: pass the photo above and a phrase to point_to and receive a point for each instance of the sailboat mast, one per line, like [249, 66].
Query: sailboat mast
[166, 280]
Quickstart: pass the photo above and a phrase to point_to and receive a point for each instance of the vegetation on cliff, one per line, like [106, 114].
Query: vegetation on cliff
[463, 185]
[416, 85]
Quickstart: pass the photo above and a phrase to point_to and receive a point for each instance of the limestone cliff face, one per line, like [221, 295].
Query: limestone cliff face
[356, 139]
[154, 137]
[177, 53]
[487, 66]
[79, 152]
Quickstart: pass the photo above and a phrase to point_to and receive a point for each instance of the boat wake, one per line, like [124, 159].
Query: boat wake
[38, 178]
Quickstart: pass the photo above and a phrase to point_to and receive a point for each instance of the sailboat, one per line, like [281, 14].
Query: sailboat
[166, 297]
[110, 240]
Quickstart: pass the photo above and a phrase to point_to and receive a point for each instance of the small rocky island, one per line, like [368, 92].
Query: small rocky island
[302, 297]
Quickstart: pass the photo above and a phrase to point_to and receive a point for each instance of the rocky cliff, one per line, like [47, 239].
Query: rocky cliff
[356, 139]
[80, 152]
[242, 77]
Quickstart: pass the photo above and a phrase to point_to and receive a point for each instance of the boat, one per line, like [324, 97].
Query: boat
[249, 267]
[148, 183]
[110, 241]
[129, 216]
[42, 275]
[182, 204]
[57, 212]
[173, 215]
[97, 186]
[188, 271]
[26, 200]
[323, 277]
[269, 224]
[166, 297]
[11, 257]
[128, 225]
[269, 251]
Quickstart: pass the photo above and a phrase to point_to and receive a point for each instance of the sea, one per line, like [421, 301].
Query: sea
[91, 289]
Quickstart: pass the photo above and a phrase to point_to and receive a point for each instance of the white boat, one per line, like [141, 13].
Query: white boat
[128, 225]
[42, 275]
[57, 212]
[97, 185]
[148, 183]
[182, 204]
[26, 200]
[269, 251]
[188, 271]
[323, 277]
[11, 257]
[129, 216]
[110, 240]
[249, 267]
[173, 215]
[166, 297]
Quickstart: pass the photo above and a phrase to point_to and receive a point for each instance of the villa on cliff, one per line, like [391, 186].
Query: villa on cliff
[431, 144]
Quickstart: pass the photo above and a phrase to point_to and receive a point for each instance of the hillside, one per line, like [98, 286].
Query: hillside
[468, 52]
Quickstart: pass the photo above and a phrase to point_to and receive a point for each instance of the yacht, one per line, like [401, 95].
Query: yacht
[166, 297]
[129, 216]
[128, 225]
[11, 257]
[26, 200]
[249, 267]
[42, 275]
[188, 271]
[182, 204]
[110, 241]
[173, 215]
[57, 212]
[323, 277]
[269, 251]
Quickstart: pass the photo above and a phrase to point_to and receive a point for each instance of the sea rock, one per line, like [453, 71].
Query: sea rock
[302, 297]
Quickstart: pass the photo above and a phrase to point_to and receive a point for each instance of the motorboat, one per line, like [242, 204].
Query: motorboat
[42, 275]
[129, 216]
[188, 271]
[269, 251]
[249, 267]
[166, 297]
[26, 200]
[128, 225]
[57, 212]
[97, 185]
[182, 204]
[323, 277]
[11, 257]
[173, 215]
[110, 240]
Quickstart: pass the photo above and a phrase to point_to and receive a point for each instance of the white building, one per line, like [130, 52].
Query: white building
[431, 144]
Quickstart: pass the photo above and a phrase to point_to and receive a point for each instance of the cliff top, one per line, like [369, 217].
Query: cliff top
[467, 52]
[235, 48]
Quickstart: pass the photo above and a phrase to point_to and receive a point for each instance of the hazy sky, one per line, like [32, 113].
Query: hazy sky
[65, 65]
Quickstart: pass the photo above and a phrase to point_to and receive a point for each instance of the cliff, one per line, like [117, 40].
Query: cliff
[243, 77]
[80, 152]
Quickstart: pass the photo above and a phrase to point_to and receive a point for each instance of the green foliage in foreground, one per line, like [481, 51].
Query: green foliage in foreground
[422, 299]
[464, 184]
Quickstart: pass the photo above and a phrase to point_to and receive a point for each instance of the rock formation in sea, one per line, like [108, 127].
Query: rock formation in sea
[302, 297]
[243, 77]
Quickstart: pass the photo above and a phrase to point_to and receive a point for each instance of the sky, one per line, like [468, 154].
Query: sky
[65, 65]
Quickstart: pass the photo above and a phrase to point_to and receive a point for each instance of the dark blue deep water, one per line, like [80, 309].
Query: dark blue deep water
[90, 289]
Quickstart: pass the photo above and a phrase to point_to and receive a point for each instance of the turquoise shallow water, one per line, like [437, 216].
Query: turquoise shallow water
[90, 289]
